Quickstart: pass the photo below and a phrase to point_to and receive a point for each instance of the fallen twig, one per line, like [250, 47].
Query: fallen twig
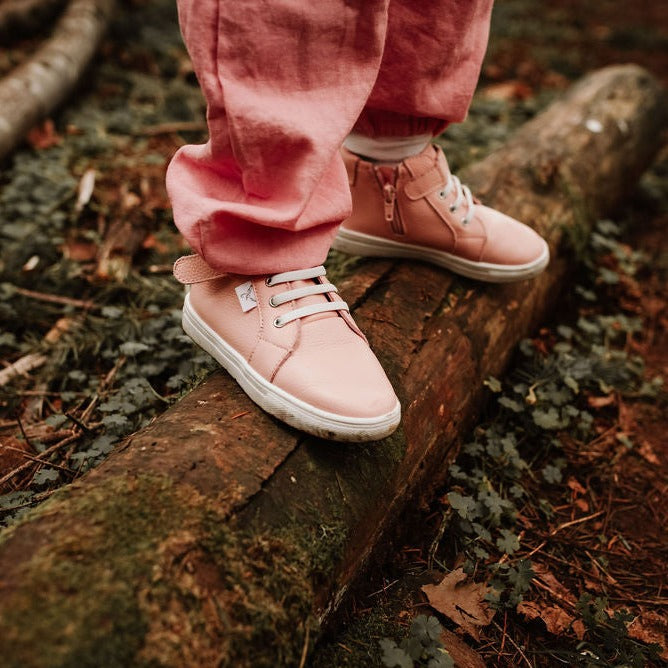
[565, 525]
[55, 299]
[39, 459]
[39, 85]
[21, 367]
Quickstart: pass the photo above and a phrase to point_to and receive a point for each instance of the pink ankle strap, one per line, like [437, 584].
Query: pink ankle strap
[422, 185]
[191, 269]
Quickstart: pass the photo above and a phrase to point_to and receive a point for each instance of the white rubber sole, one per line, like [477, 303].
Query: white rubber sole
[366, 245]
[279, 403]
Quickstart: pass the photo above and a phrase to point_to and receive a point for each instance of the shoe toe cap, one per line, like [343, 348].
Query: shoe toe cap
[334, 370]
[510, 242]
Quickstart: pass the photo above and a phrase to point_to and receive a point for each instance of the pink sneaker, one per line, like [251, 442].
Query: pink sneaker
[293, 347]
[419, 210]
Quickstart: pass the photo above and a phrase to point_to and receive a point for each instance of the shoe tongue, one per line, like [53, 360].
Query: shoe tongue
[311, 299]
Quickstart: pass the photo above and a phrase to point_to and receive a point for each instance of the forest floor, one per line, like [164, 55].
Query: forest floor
[571, 456]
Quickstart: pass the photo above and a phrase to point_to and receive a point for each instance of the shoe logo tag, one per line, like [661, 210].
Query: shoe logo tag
[246, 296]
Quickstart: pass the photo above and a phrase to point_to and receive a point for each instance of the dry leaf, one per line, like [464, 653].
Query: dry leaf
[44, 135]
[600, 402]
[507, 90]
[463, 655]
[462, 602]
[582, 505]
[556, 619]
[576, 486]
[579, 629]
[79, 251]
[647, 453]
[554, 586]
[650, 627]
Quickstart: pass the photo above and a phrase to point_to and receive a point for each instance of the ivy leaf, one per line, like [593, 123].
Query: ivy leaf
[442, 661]
[480, 553]
[517, 491]
[457, 473]
[552, 474]
[572, 384]
[45, 475]
[472, 449]
[413, 647]
[133, 348]
[509, 542]
[547, 419]
[465, 506]
[112, 312]
[56, 420]
[393, 656]
[511, 404]
[426, 629]
[521, 576]
[481, 532]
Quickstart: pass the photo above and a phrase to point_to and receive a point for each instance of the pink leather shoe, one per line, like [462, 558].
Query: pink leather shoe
[419, 210]
[291, 344]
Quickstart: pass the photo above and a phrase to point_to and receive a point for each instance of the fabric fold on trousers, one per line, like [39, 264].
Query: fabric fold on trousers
[285, 82]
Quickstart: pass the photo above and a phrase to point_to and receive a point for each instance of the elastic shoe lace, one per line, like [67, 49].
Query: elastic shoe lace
[299, 293]
[463, 194]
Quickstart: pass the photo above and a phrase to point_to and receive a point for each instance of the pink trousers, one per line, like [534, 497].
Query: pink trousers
[285, 82]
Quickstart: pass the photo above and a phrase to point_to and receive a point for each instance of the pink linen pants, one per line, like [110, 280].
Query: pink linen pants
[285, 81]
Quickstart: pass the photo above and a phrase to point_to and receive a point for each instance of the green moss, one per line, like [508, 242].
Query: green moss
[148, 574]
[357, 646]
[75, 602]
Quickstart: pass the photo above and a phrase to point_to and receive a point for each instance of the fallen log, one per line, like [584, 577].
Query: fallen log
[218, 536]
[34, 89]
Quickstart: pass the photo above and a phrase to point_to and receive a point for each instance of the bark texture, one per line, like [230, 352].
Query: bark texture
[34, 89]
[218, 536]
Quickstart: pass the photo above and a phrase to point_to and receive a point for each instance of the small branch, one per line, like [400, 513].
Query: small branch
[21, 367]
[36, 459]
[55, 299]
[34, 89]
[39, 459]
[79, 423]
[515, 645]
[565, 525]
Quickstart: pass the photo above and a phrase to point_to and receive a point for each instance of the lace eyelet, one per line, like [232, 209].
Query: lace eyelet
[272, 303]
[452, 208]
[464, 222]
[278, 323]
[267, 281]
[441, 194]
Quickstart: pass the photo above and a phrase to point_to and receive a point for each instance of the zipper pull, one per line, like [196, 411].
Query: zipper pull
[389, 196]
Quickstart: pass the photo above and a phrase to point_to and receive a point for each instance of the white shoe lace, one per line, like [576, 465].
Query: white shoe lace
[298, 293]
[463, 193]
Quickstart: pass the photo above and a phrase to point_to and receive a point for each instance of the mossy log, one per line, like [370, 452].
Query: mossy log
[220, 537]
[35, 88]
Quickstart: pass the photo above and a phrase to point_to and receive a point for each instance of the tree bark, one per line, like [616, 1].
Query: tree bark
[218, 536]
[35, 88]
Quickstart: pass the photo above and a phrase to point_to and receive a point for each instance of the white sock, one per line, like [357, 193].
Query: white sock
[386, 149]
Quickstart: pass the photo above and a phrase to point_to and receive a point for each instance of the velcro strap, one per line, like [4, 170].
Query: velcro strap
[422, 185]
[191, 269]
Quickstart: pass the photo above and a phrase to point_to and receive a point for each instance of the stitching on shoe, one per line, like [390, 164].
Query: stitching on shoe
[258, 336]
